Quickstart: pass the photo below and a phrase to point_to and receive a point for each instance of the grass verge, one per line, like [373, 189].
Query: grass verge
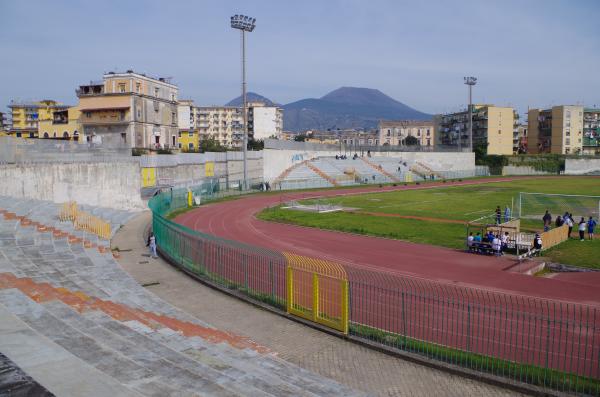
[544, 377]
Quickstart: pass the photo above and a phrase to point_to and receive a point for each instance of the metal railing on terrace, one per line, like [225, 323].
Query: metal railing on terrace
[550, 344]
[24, 151]
[351, 148]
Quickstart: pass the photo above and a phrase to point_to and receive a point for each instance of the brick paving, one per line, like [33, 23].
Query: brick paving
[350, 364]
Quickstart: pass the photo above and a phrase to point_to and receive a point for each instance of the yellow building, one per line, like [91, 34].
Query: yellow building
[63, 125]
[493, 128]
[188, 140]
[557, 130]
[27, 115]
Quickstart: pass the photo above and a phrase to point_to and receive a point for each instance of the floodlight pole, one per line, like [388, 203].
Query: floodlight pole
[244, 109]
[244, 24]
[470, 81]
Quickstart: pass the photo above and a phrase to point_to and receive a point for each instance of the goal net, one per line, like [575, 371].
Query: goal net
[532, 206]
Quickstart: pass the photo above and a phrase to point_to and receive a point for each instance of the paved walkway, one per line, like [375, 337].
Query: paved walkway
[326, 355]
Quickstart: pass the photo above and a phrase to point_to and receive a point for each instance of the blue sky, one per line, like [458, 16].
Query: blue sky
[525, 53]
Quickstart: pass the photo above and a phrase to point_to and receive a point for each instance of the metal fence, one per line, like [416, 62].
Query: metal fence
[279, 144]
[551, 344]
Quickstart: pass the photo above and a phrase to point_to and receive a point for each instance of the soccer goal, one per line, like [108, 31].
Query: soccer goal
[534, 205]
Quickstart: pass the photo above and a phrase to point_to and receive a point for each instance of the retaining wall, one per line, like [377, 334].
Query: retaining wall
[523, 170]
[114, 185]
[582, 166]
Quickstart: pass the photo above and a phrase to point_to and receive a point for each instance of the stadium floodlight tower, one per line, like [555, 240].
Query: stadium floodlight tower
[244, 24]
[470, 81]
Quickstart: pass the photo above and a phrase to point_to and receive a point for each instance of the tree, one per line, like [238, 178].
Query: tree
[300, 138]
[256, 144]
[411, 141]
[210, 144]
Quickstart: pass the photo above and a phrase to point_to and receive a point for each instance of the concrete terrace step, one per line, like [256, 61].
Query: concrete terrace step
[52, 366]
[139, 358]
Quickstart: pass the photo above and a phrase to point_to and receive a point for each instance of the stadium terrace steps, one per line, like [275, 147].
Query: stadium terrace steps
[380, 169]
[322, 174]
[89, 309]
[287, 172]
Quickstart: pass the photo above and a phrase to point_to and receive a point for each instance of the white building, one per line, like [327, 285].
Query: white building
[264, 121]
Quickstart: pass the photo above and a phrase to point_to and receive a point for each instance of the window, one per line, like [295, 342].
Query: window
[191, 134]
[428, 133]
[191, 146]
[32, 135]
[46, 135]
[156, 91]
[388, 132]
[18, 134]
[173, 140]
[567, 132]
[88, 114]
[121, 87]
[173, 117]
[567, 150]
[499, 132]
[138, 87]
[179, 145]
[568, 141]
[568, 114]
[173, 97]
[65, 134]
[179, 134]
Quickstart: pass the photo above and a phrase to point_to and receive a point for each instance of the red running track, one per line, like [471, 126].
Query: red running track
[236, 220]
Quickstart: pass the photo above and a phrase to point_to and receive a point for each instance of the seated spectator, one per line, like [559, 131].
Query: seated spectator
[470, 240]
[504, 240]
[477, 238]
[537, 242]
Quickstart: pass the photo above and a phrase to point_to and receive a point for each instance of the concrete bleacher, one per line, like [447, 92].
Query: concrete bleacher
[76, 322]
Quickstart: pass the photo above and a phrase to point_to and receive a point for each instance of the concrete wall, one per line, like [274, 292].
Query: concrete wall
[582, 166]
[114, 185]
[277, 161]
[522, 170]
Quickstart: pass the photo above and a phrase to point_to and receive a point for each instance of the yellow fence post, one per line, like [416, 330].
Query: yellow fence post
[290, 289]
[345, 305]
[189, 198]
[315, 297]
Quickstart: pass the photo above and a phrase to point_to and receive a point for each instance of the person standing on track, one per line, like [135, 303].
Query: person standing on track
[591, 225]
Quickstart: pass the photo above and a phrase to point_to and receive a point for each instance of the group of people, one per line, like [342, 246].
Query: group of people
[498, 213]
[481, 244]
[265, 186]
[569, 220]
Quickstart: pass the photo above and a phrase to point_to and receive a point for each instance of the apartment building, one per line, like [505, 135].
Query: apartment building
[222, 123]
[395, 132]
[591, 131]
[63, 125]
[520, 139]
[493, 128]
[225, 123]
[556, 130]
[3, 124]
[27, 115]
[130, 109]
